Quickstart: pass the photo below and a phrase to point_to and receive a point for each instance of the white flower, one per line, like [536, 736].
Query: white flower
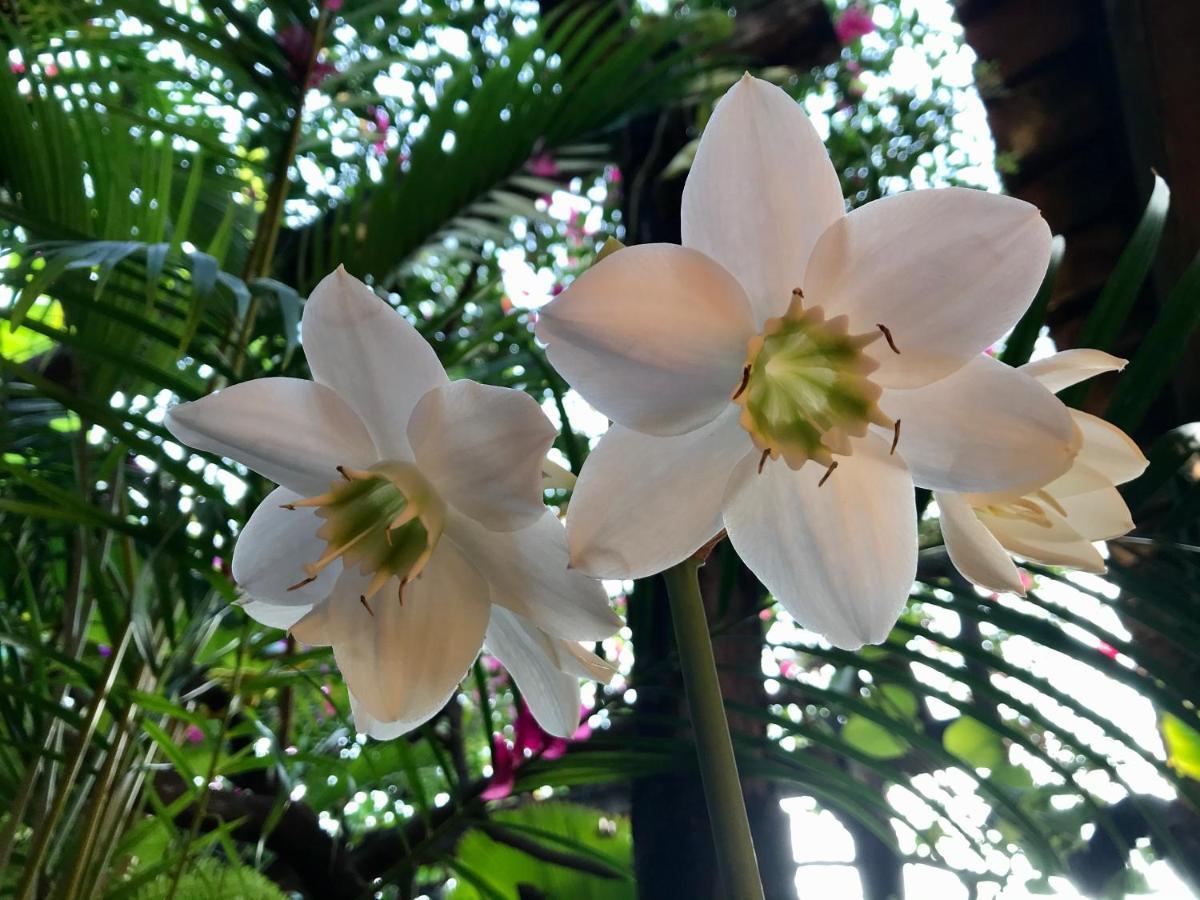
[786, 338]
[409, 515]
[1057, 523]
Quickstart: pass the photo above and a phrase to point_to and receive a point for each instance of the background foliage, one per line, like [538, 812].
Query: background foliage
[174, 178]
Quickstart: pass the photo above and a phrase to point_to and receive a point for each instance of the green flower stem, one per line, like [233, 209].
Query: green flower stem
[718, 767]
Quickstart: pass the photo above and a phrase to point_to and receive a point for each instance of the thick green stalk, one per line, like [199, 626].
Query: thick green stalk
[718, 766]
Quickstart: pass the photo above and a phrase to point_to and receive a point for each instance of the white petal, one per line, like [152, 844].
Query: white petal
[1108, 450]
[483, 448]
[527, 571]
[987, 427]
[1058, 544]
[340, 616]
[272, 549]
[272, 615]
[367, 724]
[973, 549]
[292, 431]
[529, 655]
[653, 336]
[403, 659]
[644, 503]
[583, 663]
[1098, 515]
[841, 558]
[760, 193]
[1068, 367]
[368, 353]
[947, 271]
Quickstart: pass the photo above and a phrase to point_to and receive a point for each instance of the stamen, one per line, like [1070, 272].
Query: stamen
[742, 386]
[887, 336]
[824, 478]
[291, 506]
[895, 438]
[400, 592]
[798, 293]
[762, 460]
[366, 605]
[1049, 500]
[342, 472]
[300, 584]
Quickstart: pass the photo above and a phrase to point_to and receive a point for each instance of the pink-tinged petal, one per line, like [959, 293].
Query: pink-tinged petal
[483, 447]
[1054, 542]
[760, 193]
[1098, 515]
[1067, 367]
[947, 271]
[653, 336]
[528, 573]
[644, 503]
[403, 654]
[294, 432]
[840, 557]
[973, 549]
[987, 427]
[367, 352]
[272, 550]
[530, 657]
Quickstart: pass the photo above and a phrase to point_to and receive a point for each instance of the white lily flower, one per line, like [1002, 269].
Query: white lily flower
[786, 331]
[409, 514]
[1058, 523]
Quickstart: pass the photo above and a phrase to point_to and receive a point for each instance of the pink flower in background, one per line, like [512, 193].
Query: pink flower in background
[333, 5]
[193, 735]
[855, 22]
[296, 42]
[787, 668]
[542, 165]
[17, 68]
[613, 174]
[1107, 649]
[50, 70]
[504, 770]
[529, 735]
[381, 122]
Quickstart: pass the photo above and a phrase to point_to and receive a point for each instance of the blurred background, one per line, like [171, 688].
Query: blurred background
[175, 176]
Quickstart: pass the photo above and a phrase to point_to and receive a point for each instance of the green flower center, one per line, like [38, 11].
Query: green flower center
[386, 520]
[805, 389]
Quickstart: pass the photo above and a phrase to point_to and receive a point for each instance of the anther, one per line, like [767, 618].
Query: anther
[762, 460]
[824, 478]
[895, 438]
[290, 506]
[887, 336]
[366, 605]
[742, 386]
[342, 472]
[300, 584]
[798, 293]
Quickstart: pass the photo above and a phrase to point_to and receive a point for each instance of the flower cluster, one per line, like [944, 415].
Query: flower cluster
[787, 376]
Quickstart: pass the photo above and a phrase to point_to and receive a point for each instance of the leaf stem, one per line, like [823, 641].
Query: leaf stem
[718, 766]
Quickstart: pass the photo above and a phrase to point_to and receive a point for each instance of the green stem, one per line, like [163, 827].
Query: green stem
[718, 767]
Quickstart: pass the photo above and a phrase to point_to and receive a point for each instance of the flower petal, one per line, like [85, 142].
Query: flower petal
[1108, 450]
[1067, 367]
[760, 193]
[1055, 544]
[841, 557]
[653, 336]
[403, 657]
[644, 503]
[272, 549]
[528, 574]
[292, 431]
[530, 656]
[1098, 515]
[947, 271]
[272, 615]
[366, 351]
[577, 660]
[483, 448]
[365, 723]
[987, 427]
[973, 549]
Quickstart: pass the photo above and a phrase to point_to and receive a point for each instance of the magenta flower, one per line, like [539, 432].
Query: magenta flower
[296, 42]
[333, 5]
[855, 22]
[542, 165]
[193, 735]
[529, 735]
[504, 770]
[17, 68]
